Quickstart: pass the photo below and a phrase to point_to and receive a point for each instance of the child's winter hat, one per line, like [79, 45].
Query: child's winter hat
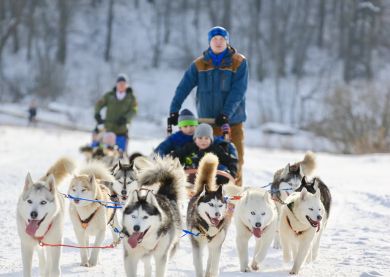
[218, 31]
[204, 130]
[187, 118]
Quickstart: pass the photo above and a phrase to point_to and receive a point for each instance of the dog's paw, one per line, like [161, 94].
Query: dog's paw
[85, 264]
[245, 269]
[255, 266]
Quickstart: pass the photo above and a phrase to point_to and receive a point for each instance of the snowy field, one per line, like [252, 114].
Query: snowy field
[355, 243]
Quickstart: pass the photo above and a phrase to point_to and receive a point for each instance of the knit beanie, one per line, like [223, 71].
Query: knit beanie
[204, 130]
[121, 78]
[187, 118]
[218, 31]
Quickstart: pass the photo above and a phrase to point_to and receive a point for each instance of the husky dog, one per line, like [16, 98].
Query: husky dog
[152, 222]
[312, 186]
[288, 179]
[125, 175]
[40, 217]
[206, 215]
[91, 218]
[255, 214]
[300, 222]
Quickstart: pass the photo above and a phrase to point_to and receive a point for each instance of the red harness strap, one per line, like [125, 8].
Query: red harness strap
[289, 224]
[41, 238]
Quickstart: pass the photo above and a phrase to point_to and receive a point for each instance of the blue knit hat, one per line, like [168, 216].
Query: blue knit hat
[218, 31]
[122, 78]
[187, 118]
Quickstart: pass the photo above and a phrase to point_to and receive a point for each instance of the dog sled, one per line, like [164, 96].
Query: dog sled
[223, 177]
[103, 148]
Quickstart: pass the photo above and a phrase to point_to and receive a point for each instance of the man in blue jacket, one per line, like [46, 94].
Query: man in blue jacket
[221, 77]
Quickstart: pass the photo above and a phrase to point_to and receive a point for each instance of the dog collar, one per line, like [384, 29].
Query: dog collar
[298, 233]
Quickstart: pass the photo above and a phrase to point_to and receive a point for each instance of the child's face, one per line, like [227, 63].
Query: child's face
[188, 130]
[202, 142]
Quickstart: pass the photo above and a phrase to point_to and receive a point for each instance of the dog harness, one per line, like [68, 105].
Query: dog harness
[85, 222]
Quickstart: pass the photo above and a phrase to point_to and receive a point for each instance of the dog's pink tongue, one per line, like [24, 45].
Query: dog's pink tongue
[133, 239]
[215, 221]
[32, 227]
[257, 232]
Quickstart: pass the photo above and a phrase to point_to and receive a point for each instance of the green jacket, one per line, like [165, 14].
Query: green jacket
[116, 109]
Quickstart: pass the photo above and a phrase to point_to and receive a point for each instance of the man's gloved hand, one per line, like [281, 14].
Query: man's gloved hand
[99, 118]
[221, 119]
[225, 128]
[173, 118]
[121, 120]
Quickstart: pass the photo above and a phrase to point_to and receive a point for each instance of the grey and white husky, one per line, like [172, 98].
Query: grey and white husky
[207, 215]
[40, 217]
[152, 221]
[125, 175]
[288, 179]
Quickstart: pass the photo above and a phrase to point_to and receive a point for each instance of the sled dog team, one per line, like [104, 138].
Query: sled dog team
[293, 214]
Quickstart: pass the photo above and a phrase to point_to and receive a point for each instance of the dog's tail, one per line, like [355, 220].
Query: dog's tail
[207, 171]
[60, 169]
[98, 169]
[309, 163]
[168, 174]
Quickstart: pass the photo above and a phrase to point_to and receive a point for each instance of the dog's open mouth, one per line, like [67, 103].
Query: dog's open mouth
[215, 221]
[33, 225]
[124, 197]
[136, 238]
[313, 223]
[76, 201]
[257, 232]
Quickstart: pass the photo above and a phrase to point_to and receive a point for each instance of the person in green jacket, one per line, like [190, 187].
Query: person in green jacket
[121, 107]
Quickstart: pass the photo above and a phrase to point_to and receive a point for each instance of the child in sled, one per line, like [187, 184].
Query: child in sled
[186, 123]
[204, 142]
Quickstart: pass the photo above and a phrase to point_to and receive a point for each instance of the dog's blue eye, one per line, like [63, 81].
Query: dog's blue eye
[43, 202]
[262, 213]
[211, 204]
[29, 201]
[311, 209]
[253, 213]
[133, 216]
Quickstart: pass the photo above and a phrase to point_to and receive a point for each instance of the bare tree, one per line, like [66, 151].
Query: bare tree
[110, 17]
[63, 8]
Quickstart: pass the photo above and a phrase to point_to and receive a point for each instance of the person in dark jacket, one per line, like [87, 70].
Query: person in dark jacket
[191, 154]
[221, 78]
[121, 107]
[186, 123]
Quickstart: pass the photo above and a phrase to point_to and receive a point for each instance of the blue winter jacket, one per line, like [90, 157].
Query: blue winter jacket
[173, 142]
[220, 90]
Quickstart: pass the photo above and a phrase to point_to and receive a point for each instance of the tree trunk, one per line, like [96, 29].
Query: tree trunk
[62, 30]
[110, 17]
[321, 19]
[31, 27]
[227, 15]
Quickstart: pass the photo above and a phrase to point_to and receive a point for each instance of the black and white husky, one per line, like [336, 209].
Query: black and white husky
[125, 174]
[152, 222]
[206, 215]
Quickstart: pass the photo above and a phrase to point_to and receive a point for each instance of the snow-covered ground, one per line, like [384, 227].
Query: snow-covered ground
[355, 243]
